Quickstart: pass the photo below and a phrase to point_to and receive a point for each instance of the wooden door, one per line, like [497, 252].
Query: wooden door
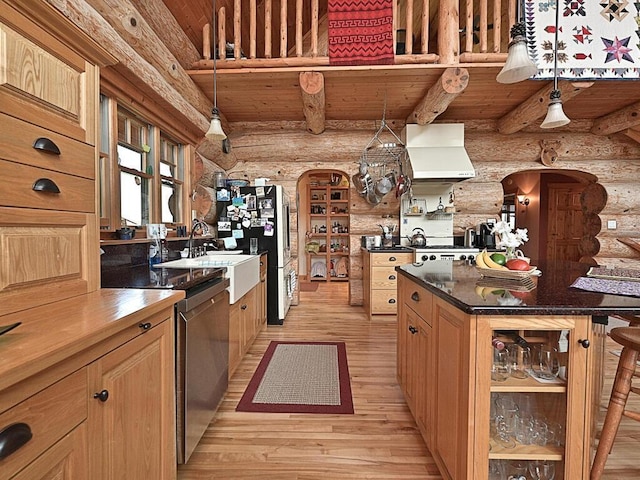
[565, 222]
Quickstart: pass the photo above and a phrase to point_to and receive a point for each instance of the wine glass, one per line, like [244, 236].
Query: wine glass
[545, 364]
[500, 369]
[520, 361]
[542, 470]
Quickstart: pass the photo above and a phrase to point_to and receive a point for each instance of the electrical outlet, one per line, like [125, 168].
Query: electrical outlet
[612, 224]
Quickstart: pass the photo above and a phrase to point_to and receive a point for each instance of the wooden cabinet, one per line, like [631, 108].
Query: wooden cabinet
[96, 393]
[328, 233]
[380, 281]
[445, 358]
[132, 408]
[244, 325]
[49, 89]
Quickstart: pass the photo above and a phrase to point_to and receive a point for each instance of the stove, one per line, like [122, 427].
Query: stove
[445, 252]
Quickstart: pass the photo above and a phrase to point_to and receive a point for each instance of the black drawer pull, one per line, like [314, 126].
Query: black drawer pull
[392, 300]
[46, 145]
[392, 259]
[392, 277]
[13, 437]
[45, 185]
[145, 326]
[102, 396]
[415, 297]
[243, 307]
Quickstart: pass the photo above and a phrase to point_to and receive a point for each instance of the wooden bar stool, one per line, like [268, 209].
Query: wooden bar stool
[629, 338]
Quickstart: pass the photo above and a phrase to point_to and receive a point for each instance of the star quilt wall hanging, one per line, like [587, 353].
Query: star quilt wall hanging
[597, 39]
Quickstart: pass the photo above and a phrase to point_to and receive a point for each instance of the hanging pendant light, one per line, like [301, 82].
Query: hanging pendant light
[519, 65]
[215, 132]
[555, 114]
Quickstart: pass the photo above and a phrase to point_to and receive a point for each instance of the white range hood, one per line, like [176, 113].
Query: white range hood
[436, 152]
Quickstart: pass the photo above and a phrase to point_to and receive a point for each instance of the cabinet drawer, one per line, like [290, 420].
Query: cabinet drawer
[76, 193]
[384, 301]
[75, 158]
[46, 256]
[384, 278]
[50, 415]
[419, 300]
[391, 259]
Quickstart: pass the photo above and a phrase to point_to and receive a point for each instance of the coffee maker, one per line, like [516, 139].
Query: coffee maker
[485, 239]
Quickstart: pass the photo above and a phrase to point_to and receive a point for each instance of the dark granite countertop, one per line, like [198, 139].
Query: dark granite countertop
[460, 284]
[144, 276]
[395, 248]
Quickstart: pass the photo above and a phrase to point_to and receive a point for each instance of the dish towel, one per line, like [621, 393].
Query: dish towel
[360, 32]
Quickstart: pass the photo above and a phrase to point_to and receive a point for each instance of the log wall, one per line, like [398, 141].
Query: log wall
[284, 154]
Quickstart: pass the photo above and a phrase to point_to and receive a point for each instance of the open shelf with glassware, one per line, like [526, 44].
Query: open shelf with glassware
[328, 232]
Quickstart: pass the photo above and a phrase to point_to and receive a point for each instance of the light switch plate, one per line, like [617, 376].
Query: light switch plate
[612, 224]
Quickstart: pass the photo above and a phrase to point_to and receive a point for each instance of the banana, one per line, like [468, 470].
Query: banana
[480, 260]
[490, 263]
[481, 292]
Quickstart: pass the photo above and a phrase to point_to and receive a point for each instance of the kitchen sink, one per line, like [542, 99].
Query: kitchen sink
[243, 271]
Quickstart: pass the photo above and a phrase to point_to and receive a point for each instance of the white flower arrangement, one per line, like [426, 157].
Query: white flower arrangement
[507, 238]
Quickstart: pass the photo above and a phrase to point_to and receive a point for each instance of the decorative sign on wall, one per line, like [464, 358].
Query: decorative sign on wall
[597, 39]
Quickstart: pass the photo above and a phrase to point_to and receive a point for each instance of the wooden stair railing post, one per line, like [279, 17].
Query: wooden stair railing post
[237, 29]
[298, 28]
[283, 29]
[408, 43]
[222, 33]
[425, 27]
[267, 29]
[448, 35]
[314, 28]
[253, 12]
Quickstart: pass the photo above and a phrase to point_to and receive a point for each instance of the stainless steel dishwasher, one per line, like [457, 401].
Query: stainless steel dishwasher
[202, 360]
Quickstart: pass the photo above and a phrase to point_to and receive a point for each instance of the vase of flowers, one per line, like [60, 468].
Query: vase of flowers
[509, 239]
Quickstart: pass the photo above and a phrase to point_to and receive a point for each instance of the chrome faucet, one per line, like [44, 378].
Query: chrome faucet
[197, 224]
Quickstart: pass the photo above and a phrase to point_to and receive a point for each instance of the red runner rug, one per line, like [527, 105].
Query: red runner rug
[300, 377]
[360, 32]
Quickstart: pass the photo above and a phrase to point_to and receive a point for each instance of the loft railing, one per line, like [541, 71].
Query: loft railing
[452, 32]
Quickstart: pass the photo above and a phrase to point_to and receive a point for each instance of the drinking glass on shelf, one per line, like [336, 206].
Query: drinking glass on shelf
[542, 470]
[545, 364]
[519, 361]
[500, 369]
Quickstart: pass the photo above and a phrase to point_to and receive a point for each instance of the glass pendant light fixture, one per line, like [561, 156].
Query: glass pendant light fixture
[215, 132]
[519, 65]
[555, 115]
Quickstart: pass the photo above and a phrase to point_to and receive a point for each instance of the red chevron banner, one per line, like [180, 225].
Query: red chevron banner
[360, 32]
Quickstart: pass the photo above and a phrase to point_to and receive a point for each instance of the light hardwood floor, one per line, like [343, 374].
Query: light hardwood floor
[380, 441]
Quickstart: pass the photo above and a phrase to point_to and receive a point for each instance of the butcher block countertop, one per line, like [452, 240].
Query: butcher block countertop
[460, 284]
[52, 333]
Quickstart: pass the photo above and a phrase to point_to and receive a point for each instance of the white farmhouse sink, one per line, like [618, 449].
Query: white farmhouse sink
[243, 271]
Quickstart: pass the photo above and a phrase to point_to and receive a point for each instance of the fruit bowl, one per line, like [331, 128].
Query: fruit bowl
[508, 274]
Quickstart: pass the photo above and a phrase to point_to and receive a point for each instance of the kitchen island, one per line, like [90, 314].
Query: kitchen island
[447, 320]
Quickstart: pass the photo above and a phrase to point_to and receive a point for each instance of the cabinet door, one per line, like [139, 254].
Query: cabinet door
[549, 413]
[248, 316]
[453, 379]
[424, 378]
[133, 428]
[66, 460]
[235, 337]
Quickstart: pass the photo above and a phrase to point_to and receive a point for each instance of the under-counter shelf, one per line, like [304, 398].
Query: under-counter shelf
[525, 452]
[527, 385]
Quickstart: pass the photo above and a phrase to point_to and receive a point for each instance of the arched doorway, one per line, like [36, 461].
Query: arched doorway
[323, 227]
[551, 205]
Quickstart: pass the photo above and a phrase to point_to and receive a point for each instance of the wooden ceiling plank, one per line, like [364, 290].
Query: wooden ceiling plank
[451, 83]
[313, 100]
[536, 106]
[617, 121]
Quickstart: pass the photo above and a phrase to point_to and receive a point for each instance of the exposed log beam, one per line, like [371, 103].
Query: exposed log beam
[451, 83]
[168, 30]
[633, 134]
[90, 21]
[617, 121]
[536, 106]
[313, 100]
[133, 29]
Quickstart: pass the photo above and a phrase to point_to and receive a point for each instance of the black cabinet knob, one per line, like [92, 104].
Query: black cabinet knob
[145, 326]
[102, 396]
[392, 259]
[585, 343]
[413, 329]
[415, 297]
[243, 307]
[392, 300]
[12, 437]
[392, 277]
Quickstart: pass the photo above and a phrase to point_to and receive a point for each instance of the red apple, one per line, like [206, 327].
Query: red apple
[517, 264]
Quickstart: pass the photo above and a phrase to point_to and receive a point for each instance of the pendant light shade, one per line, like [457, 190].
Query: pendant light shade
[519, 65]
[555, 115]
[215, 132]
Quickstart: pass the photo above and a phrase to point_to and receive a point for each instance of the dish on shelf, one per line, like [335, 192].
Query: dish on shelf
[508, 274]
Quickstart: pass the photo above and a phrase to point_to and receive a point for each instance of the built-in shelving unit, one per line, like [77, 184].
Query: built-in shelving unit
[328, 231]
